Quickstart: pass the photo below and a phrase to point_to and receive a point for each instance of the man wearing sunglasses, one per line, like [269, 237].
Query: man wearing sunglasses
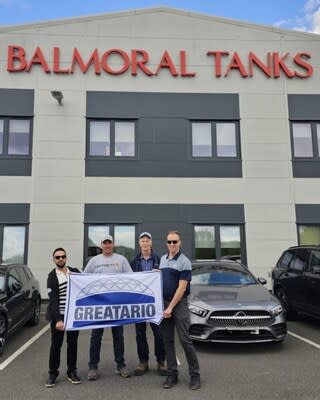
[176, 276]
[57, 292]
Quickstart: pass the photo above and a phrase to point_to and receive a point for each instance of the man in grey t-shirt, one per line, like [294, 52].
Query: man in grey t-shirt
[107, 262]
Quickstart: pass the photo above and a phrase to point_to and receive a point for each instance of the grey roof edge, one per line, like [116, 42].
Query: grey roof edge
[149, 10]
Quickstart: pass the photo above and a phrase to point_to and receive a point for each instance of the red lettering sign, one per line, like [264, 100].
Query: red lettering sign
[118, 62]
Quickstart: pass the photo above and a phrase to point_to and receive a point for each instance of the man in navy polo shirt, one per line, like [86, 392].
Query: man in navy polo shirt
[147, 260]
[176, 276]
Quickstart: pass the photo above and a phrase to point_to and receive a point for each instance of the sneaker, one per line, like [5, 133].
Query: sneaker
[123, 372]
[51, 381]
[74, 378]
[195, 382]
[141, 369]
[162, 369]
[170, 382]
[92, 375]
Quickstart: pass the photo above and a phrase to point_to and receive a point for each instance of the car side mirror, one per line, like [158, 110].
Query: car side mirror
[16, 286]
[262, 281]
[316, 269]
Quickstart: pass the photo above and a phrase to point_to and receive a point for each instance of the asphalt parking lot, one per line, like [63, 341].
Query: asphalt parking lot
[229, 372]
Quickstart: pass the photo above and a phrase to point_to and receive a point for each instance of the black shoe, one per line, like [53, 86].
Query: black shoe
[195, 382]
[74, 378]
[170, 382]
[51, 381]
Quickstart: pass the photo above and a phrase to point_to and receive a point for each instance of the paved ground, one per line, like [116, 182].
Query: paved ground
[229, 372]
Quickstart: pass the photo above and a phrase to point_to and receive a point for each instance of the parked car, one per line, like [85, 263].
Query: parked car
[20, 300]
[296, 280]
[228, 304]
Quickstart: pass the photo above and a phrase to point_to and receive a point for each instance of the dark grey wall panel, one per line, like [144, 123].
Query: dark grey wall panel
[14, 213]
[183, 105]
[161, 218]
[152, 168]
[308, 213]
[17, 102]
[306, 169]
[15, 167]
[304, 106]
[163, 136]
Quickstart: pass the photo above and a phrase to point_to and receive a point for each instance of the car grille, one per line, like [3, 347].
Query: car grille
[241, 336]
[238, 318]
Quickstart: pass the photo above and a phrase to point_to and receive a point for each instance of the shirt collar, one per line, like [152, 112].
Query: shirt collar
[175, 257]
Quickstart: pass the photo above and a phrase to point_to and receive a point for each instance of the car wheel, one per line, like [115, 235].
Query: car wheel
[281, 294]
[3, 333]
[36, 313]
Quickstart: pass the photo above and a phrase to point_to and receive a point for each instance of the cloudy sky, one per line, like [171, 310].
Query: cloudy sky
[288, 14]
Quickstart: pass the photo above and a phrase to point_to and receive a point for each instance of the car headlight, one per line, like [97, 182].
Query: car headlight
[197, 310]
[277, 310]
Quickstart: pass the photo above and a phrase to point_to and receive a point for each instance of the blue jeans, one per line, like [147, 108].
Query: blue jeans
[118, 347]
[181, 321]
[142, 343]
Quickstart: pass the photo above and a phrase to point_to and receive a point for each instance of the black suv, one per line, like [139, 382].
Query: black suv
[20, 300]
[296, 280]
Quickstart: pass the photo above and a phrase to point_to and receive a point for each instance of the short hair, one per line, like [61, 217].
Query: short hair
[174, 233]
[58, 249]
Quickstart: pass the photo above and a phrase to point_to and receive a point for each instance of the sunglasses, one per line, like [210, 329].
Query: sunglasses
[172, 241]
[58, 257]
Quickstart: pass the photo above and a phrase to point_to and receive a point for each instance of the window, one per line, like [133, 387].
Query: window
[13, 278]
[315, 259]
[109, 138]
[306, 140]
[285, 260]
[309, 234]
[123, 235]
[15, 137]
[300, 261]
[215, 241]
[13, 244]
[215, 139]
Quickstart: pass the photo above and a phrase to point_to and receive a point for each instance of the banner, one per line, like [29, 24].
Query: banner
[105, 300]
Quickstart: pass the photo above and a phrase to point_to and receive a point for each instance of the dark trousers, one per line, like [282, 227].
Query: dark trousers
[142, 343]
[55, 350]
[118, 346]
[179, 320]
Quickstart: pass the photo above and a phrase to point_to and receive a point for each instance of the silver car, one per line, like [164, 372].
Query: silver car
[228, 304]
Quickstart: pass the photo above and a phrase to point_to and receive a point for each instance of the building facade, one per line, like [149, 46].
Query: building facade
[169, 120]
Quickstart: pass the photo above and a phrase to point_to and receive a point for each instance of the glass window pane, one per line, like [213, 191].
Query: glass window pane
[124, 239]
[95, 235]
[309, 234]
[226, 140]
[13, 244]
[124, 139]
[1, 136]
[318, 138]
[230, 240]
[99, 138]
[204, 242]
[302, 140]
[201, 140]
[19, 136]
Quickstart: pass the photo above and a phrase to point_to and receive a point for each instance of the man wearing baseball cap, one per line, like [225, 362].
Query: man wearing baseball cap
[146, 260]
[107, 262]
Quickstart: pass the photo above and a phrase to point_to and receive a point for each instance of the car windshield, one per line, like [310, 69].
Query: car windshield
[223, 276]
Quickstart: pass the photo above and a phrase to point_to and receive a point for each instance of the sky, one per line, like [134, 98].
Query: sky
[303, 15]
